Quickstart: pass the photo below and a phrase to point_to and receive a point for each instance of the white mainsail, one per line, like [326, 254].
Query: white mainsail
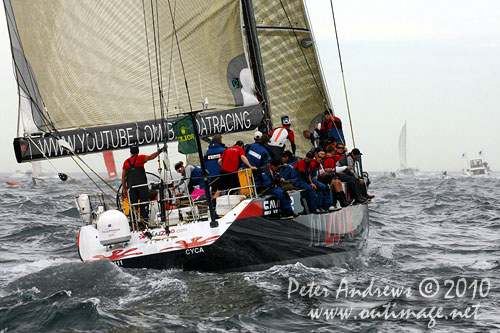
[87, 63]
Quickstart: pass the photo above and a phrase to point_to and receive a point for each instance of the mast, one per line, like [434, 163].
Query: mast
[208, 193]
[256, 60]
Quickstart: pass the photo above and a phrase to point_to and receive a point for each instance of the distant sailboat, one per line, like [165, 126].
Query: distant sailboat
[402, 154]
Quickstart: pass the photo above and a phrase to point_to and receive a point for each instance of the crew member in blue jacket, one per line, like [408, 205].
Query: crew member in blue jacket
[257, 154]
[287, 166]
[301, 178]
[270, 184]
[191, 176]
[212, 155]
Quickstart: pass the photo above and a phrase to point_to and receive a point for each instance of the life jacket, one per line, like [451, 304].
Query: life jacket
[135, 175]
[279, 137]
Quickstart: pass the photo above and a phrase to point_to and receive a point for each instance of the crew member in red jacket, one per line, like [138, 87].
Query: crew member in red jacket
[333, 126]
[230, 162]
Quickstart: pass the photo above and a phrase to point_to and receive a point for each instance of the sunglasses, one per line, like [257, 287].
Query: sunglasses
[340, 147]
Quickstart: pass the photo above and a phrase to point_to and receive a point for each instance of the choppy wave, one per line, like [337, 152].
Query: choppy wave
[423, 226]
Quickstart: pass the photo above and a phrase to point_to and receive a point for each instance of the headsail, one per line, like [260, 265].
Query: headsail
[292, 71]
[82, 65]
[402, 147]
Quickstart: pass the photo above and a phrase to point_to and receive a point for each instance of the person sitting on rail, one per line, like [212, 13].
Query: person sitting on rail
[279, 136]
[329, 177]
[271, 184]
[229, 162]
[332, 125]
[301, 178]
[191, 176]
[324, 193]
[350, 174]
[339, 151]
[212, 155]
[286, 166]
[352, 162]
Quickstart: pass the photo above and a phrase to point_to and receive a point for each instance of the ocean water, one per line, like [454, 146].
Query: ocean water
[426, 232]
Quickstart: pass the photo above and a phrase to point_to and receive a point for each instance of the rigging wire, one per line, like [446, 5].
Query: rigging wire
[48, 122]
[342, 70]
[149, 56]
[324, 99]
[53, 166]
[180, 57]
[93, 181]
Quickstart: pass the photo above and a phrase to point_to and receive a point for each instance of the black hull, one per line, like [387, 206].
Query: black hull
[256, 243]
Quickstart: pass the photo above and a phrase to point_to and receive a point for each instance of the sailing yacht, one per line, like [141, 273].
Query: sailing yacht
[102, 75]
[403, 169]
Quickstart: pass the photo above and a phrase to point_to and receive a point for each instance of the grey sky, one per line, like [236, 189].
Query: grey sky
[433, 64]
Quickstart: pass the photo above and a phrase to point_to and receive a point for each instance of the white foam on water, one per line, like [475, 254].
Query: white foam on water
[483, 265]
[15, 272]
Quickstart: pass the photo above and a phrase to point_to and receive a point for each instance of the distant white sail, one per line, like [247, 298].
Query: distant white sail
[402, 148]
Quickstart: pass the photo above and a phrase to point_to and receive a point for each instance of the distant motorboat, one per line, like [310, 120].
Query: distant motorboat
[478, 166]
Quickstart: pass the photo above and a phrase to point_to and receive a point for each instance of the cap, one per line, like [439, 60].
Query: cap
[318, 149]
[285, 121]
[134, 148]
[257, 135]
[328, 111]
[356, 151]
[310, 155]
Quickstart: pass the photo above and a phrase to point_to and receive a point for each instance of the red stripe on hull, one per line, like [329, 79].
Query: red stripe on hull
[251, 210]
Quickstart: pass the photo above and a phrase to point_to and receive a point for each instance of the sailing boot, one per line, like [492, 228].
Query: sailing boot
[364, 192]
[343, 200]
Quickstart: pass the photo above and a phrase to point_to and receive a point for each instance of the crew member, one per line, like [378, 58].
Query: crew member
[350, 175]
[229, 162]
[333, 126]
[271, 182]
[134, 180]
[191, 176]
[301, 178]
[279, 136]
[257, 153]
[212, 155]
